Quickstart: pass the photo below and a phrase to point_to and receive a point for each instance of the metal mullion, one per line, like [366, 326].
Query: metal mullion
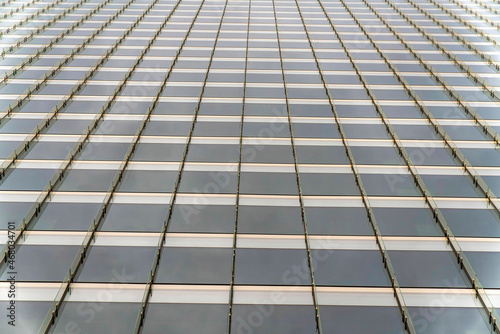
[466, 23]
[477, 180]
[77, 148]
[439, 218]
[451, 92]
[41, 28]
[457, 63]
[13, 107]
[55, 40]
[405, 317]
[475, 13]
[27, 18]
[152, 275]
[79, 259]
[457, 37]
[231, 286]
[25, 145]
[297, 176]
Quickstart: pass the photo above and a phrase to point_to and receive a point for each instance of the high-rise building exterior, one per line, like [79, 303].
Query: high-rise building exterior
[250, 166]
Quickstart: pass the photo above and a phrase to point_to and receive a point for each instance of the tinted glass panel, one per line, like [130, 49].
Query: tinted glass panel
[268, 183]
[27, 179]
[29, 316]
[407, 221]
[470, 222]
[487, 267]
[111, 318]
[87, 180]
[328, 184]
[361, 319]
[269, 220]
[452, 319]
[186, 318]
[321, 155]
[440, 269]
[202, 218]
[267, 154]
[450, 186]
[117, 264]
[208, 182]
[42, 263]
[349, 268]
[148, 181]
[158, 152]
[389, 185]
[195, 265]
[376, 156]
[270, 266]
[280, 319]
[338, 221]
[66, 216]
[135, 217]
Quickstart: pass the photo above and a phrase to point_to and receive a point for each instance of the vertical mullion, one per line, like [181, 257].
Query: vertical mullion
[90, 236]
[297, 176]
[438, 216]
[366, 202]
[235, 235]
[149, 286]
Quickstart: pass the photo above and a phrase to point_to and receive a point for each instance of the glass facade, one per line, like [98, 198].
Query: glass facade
[250, 166]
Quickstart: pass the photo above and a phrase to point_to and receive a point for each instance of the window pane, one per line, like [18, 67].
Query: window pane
[202, 218]
[321, 155]
[27, 179]
[270, 220]
[186, 318]
[66, 216]
[472, 223]
[29, 316]
[406, 221]
[42, 263]
[448, 319]
[450, 186]
[338, 221]
[389, 185]
[87, 180]
[104, 151]
[487, 267]
[98, 317]
[213, 153]
[148, 181]
[440, 269]
[109, 263]
[328, 184]
[208, 182]
[350, 268]
[361, 319]
[268, 183]
[270, 266]
[135, 217]
[282, 154]
[196, 265]
[158, 152]
[49, 150]
[276, 319]
[376, 156]
[13, 212]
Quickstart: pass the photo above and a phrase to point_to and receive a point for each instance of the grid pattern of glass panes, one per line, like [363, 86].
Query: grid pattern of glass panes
[250, 166]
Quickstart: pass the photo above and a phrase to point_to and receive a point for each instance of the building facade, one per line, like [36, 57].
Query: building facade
[250, 166]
